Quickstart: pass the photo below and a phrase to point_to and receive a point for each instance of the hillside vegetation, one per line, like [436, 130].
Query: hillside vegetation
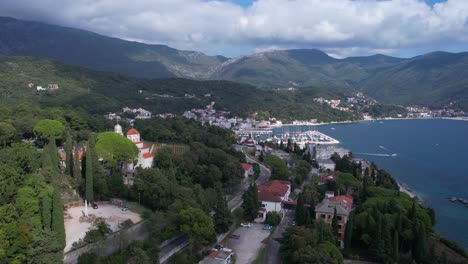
[100, 92]
[433, 79]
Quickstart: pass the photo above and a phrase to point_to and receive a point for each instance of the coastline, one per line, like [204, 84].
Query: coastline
[307, 123]
[407, 190]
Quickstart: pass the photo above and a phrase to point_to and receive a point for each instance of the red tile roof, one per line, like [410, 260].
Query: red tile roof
[147, 155]
[273, 190]
[213, 254]
[246, 166]
[80, 156]
[133, 131]
[346, 200]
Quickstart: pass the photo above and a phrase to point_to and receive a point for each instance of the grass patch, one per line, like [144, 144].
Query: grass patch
[261, 255]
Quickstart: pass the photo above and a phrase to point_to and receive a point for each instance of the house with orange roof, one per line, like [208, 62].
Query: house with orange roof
[272, 195]
[248, 169]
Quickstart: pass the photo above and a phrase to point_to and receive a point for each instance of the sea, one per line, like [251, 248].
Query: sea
[431, 160]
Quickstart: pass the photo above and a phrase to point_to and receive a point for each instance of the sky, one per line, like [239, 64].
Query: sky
[341, 28]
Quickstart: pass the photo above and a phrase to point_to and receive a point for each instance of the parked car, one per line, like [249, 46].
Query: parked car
[220, 247]
[267, 227]
[125, 208]
[95, 206]
[248, 225]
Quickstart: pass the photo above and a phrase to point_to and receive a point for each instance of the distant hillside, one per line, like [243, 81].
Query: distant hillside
[84, 48]
[100, 92]
[433, 79]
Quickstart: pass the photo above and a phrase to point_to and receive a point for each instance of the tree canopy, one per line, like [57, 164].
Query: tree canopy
[47, 128]
[113, 147]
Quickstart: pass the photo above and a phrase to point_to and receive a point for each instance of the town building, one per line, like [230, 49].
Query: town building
[145, 152]
[343, 205]
[248, 169]
[272, 195]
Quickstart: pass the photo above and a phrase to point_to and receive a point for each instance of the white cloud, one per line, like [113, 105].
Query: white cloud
[341, 27]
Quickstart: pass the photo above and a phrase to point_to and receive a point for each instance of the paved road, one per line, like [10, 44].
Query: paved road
[265, 174]
[249, 243]
[272, 254]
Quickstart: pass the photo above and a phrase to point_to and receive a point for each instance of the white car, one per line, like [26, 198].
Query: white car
[248, 225]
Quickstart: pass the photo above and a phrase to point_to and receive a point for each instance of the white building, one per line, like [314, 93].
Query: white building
[145, 153]
[272, 194]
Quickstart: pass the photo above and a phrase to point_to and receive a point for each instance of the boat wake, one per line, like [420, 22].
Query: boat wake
[384, 148]
[378, 155]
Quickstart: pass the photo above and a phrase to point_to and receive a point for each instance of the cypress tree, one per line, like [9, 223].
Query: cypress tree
[46, 208]
[89, 193]
[421, 242]
[281, 145]
[57, 224]
[348, 233]
[77, 167]
[387, 239]
[69, 155]
[222, 217]
[396, 247]
[335, 224]
[300, 211]
[251, 204]
[52, 149]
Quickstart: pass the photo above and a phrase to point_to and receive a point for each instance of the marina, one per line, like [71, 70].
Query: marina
[296, 134]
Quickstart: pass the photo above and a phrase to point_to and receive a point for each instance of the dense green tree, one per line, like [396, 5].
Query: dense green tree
[114, 148]
[251, 204]
[77, 176]
[156, 189]
[279, 169]
[222, 217]
[300, 211]
[69, 155]
[57, 224]
[7, 133]
[47, 128]
[334, 224]
[348, 233]
[197, 225]
[89, 191]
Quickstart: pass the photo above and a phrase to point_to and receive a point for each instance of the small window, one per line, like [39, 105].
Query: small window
[339, 218]
[323, 216]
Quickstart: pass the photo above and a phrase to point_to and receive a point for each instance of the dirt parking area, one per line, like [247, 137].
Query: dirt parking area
[74, 229]
[249, 243]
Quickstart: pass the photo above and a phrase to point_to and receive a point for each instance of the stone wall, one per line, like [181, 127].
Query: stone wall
[113, 243]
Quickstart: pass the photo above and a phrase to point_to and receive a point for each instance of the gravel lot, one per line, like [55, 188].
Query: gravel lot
[74, 230]
[248, 245]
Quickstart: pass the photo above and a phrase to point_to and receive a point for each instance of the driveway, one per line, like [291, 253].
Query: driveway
[249, 243]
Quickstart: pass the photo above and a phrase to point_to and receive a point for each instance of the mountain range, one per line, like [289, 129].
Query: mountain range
[434, 79]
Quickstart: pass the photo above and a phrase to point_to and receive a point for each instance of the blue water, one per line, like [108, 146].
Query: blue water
[432, 160]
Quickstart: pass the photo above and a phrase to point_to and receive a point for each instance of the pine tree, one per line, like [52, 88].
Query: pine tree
[300, 211]
[89, 192]
[69, 156]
